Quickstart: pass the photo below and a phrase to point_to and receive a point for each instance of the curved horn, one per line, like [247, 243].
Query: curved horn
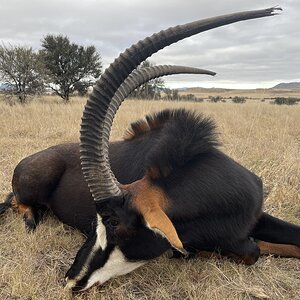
[134, 80]
[94, 165]
[137, 78]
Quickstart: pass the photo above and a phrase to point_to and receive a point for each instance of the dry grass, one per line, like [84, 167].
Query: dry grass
[263, 137]
[253, 94]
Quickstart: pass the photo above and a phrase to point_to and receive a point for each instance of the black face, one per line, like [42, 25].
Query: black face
[120, 243]
[125, 228]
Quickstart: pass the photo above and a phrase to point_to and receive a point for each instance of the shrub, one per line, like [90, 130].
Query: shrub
[190, 97]
[215, 99]
[286, 101]
[238, 99]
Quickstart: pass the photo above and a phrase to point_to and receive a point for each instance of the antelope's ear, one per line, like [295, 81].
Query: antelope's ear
[151, 202]
[157, 221]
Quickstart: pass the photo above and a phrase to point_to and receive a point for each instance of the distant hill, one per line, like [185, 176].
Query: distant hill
[288, 85]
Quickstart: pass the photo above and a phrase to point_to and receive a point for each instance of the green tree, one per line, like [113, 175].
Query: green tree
[151, 89]
[21, 70]
[70, 67]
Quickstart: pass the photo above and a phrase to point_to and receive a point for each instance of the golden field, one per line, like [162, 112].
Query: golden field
[251, 94]
[263, 137]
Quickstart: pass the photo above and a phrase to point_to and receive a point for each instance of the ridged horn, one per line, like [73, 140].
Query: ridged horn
[94, 164]
[134, 80]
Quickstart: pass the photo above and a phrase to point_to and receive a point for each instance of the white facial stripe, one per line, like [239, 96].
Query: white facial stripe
[101, 234]
[101, 242]
[116, 265]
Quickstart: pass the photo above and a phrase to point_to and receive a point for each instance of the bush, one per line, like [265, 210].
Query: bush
[286, 101]
[190, 97]
[215, 99]
[238, 99]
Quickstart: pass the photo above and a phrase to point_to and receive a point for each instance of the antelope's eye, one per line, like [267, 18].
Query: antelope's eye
[114, 222]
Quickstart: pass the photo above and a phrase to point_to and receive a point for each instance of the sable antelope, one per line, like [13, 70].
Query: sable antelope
[191, 196]
[52, 178]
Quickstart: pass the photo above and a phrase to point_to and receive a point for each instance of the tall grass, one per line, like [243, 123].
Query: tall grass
[264, 138]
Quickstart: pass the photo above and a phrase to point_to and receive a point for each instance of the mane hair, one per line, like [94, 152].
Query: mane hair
[178, 136]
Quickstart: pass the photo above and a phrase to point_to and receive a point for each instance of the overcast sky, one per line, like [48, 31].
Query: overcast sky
[255, 53]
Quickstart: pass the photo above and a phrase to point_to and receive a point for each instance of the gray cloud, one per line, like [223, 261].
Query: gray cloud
[258, 52]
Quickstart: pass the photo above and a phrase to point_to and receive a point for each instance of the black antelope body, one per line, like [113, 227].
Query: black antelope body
[166, 185]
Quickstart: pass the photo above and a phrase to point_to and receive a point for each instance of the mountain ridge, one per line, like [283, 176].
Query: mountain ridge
[287, 85]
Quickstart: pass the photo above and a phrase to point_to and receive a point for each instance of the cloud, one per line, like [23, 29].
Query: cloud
[251, 52]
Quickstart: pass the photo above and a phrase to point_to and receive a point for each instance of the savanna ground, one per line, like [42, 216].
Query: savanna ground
[263, 137]
[251, 94]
